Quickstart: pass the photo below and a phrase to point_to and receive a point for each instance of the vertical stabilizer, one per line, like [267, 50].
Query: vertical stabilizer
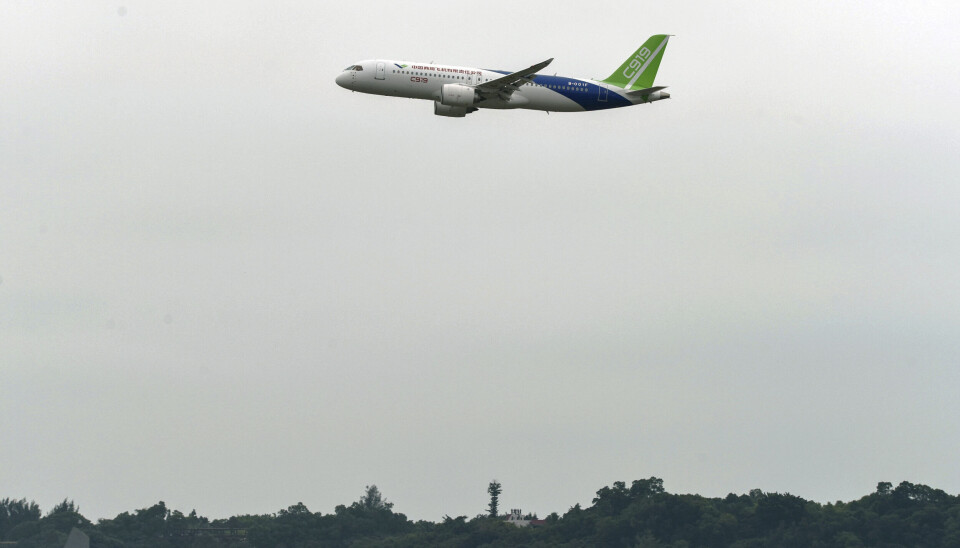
[639, 70]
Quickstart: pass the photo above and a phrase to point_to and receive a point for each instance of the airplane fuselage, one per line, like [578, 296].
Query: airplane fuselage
[457, 91]
[426, 80]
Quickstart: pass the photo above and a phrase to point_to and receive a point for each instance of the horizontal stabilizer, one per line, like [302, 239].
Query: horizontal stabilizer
[648, 91]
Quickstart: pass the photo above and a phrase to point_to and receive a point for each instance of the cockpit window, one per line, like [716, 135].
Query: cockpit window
[354, 67]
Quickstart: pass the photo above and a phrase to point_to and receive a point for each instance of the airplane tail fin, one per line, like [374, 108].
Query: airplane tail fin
[639, 70]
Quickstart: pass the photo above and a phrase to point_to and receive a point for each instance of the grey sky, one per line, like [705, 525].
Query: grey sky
[228, 284]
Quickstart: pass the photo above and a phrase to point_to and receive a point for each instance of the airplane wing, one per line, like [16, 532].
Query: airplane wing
[506, 85]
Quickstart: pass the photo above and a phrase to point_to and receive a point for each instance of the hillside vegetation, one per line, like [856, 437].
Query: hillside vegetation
[642, 514]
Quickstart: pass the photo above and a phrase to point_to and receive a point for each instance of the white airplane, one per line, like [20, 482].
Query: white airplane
[458, 91]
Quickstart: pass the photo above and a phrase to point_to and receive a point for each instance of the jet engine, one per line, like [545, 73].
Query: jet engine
[457, 95]
[453, 112]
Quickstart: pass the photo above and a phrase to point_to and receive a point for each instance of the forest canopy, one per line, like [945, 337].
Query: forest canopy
[641, 514]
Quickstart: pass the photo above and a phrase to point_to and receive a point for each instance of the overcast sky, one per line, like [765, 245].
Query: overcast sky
[228, 284]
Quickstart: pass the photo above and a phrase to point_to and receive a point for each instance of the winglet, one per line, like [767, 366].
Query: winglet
[533, 69]
[512, 78]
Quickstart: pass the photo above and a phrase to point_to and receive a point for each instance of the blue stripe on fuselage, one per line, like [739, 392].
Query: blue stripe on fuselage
[571, 89]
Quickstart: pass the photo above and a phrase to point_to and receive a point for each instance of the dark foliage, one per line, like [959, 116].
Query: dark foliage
[642, 515]
[494, 489]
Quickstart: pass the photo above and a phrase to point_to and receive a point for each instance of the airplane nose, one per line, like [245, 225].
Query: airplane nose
[345, 80]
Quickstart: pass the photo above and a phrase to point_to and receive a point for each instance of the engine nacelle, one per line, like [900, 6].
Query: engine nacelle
[445, 110]
[656, 96]
[453, 112]
[457, 95]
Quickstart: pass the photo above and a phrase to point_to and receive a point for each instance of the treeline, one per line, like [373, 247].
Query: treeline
[640, 515]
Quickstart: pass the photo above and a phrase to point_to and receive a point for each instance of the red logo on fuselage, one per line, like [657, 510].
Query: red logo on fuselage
[445, 69]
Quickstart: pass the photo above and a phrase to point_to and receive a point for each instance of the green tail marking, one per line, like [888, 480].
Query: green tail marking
[639, 70]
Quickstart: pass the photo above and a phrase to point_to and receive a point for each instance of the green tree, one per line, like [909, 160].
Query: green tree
[63, 517]
[14, 512]
[494, 489]
[646, 488]
[610, 501]
[145, 526]
[373, 500]
[52, 529]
